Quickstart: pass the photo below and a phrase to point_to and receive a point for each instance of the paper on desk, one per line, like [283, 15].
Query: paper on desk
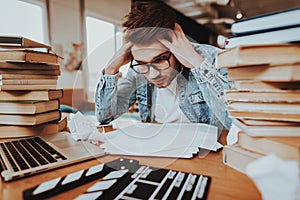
[81, 127]
[275, 178]
[171, 140]
[232, 136]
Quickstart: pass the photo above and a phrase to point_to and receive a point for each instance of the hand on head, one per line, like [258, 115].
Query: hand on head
[181, 48]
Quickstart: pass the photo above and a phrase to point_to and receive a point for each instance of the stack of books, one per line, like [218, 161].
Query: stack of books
[29, 98]
[271, 28]
[264, 101]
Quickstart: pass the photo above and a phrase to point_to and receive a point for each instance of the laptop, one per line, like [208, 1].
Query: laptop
[26, 156]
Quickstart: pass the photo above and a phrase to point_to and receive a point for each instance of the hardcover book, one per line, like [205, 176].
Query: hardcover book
[277, 73]
[263, 86]
[238, 158]
[27, 66]
[288, 96]
[268, 128]
[28, 56]
[38, 95]
[287, 148]
[12, 131]
[55, 72]
[34, 119]
[259, 55]
[272, 37]
[27, 87]
[28, 107]
[18, 41]
[267, 22]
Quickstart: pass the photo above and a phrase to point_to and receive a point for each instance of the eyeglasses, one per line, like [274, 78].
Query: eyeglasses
[160, 64]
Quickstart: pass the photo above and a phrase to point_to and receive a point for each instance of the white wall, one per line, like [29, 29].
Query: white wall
[66, 28]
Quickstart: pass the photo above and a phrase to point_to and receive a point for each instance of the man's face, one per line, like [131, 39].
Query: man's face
[155, 53]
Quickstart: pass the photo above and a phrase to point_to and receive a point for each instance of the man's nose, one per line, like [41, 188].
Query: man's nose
[153, 73]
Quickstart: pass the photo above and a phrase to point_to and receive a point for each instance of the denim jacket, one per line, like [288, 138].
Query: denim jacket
[201, 93]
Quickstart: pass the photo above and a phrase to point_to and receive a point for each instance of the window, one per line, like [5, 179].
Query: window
[22, 18]
[103, 40]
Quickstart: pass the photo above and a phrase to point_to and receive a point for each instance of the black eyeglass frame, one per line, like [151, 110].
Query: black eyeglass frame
[151, 65]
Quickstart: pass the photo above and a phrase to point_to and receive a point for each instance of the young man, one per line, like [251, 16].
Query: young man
[172, 79]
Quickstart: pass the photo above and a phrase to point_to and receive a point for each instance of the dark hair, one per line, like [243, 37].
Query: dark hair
[147, 21]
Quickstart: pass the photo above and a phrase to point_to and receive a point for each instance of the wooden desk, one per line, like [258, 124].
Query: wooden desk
[226, 182]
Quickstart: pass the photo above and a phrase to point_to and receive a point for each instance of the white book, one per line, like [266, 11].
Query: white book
[266, 22]
[271, 37]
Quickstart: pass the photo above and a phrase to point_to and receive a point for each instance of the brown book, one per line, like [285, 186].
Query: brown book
[18, 41]
[276, 116]
[287, 148]
[268, 128]
[34, 119]
[290, 96]
[28, 56]
[238, 158]
[27, 82]
[26, 76]
[264, 107]
[279, 73]
[38, 95]
[26, 66]
[30, 72]
[264, 86]
[28, 107]
[27, 87]
[259, 55]
[11, 131]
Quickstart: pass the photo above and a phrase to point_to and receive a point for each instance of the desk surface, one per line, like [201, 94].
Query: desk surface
[226, 182]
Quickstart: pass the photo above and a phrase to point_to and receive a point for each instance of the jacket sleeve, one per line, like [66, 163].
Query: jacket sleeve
[213, 83]
[113, 97]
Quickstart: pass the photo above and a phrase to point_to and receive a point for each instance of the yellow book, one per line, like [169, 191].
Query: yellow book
[38, 95]
[28, 56]
[259, 55]
[12, 131]
[28, 107]
[34, 119]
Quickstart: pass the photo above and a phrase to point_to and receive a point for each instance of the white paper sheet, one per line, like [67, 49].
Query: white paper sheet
[166, 140]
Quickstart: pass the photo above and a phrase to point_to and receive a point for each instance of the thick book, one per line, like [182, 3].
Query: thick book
[266, 115]
[259, 55]
[263, 86]
[55, 72]
[279, 73]
[27, 66]
[38, 95]
[28, 56]
[19, 41]
[34, 119]
[264, 107]
[27, 82]
[27, 76]
[28, 107]
[27, 87]
[267, 22]
[287, 148]
[12, 131]
[238, 158]
[288, 96]
[287, 35]
[268, 128]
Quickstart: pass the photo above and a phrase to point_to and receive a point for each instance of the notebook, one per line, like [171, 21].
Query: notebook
[26, 156]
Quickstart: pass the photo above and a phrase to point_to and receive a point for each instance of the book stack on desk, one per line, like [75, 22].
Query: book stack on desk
[270, 28]
[264, 101]
[29, 99]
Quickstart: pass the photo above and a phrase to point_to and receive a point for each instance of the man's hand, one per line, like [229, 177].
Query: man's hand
[182, 49]
[120, 58]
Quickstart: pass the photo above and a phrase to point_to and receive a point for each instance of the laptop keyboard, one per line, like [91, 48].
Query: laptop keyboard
[29, 153]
